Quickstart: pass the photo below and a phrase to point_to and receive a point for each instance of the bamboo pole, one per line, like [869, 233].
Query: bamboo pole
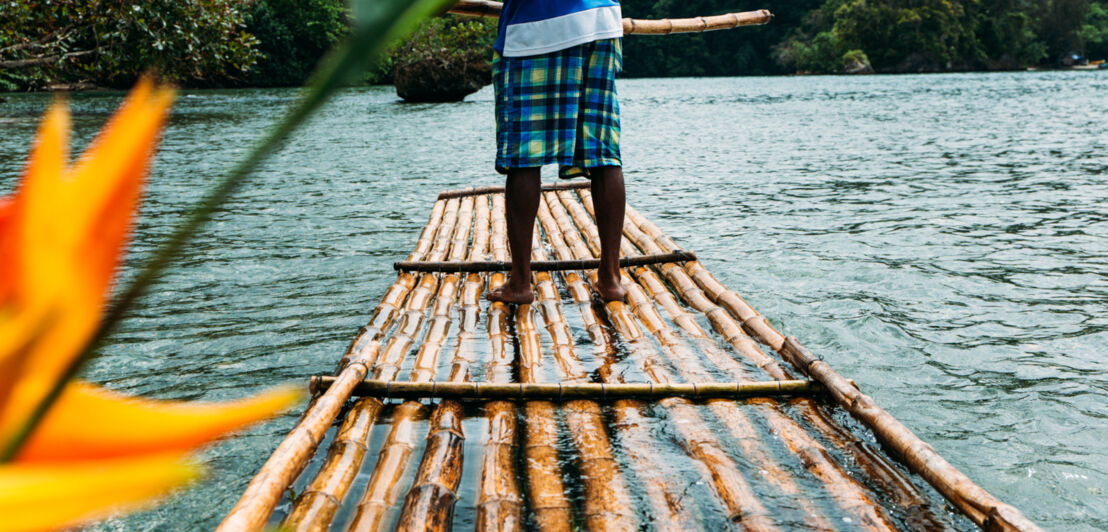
[664, 498]
[985, 510]
[429, 505]
[571, 389]
[978, 504]
[696, 24]
[485, 191]
[386, 310]
[537, 265]
[499, 503]
[607, 504]
[545, 489]
[695, 436]
[315, 508]
[265, 490]
[486, 8]
[847, 491]
[753, 323]
[383, 490]
[893, 485]
[734, 419]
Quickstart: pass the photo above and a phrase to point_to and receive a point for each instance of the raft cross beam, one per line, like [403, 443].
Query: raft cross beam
[481, 191]
[539, 265]
[570, 391]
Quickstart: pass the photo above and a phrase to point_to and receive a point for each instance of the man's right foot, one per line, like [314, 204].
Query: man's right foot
[509, 293]
[609, 288]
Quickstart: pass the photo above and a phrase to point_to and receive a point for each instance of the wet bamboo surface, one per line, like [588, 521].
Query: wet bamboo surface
[577, 460]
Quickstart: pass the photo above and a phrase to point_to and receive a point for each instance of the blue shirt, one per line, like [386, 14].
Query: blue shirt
[533, 27]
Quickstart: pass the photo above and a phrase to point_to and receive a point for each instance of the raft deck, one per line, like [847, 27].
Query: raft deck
[680, 409]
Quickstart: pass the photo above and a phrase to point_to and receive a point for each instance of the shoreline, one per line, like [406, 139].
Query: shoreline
[89, 87]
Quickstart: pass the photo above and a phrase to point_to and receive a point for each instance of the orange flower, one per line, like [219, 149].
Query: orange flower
[62, 234]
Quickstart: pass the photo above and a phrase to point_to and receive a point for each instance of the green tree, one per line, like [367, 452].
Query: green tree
[1094, 30]
[293, 36]
[1061, 25]
[111, 42]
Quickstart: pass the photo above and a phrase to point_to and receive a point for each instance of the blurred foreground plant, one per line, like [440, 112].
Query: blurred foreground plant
[62, 233]
[72, 452]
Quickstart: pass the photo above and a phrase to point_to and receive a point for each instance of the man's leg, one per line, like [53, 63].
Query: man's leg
[521, 204]
[608, 203]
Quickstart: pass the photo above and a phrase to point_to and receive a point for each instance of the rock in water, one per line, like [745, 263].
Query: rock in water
[433, 79]
[856, 62]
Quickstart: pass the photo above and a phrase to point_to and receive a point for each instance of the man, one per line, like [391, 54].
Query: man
[554, 78]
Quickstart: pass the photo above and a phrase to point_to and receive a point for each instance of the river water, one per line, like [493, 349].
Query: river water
[941, 239]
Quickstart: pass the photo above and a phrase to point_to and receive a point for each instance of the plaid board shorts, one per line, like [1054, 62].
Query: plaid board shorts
[558, 108]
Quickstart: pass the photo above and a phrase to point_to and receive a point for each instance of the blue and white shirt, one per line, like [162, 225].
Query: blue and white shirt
[533, 27]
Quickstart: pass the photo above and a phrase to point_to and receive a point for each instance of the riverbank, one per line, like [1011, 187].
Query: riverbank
[91, 88]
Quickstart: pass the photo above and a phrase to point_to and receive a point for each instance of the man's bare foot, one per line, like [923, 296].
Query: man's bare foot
[609, 289]
[511, 292]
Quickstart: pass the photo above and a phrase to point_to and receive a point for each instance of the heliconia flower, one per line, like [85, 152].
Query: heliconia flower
[62, 236]
[52, 496]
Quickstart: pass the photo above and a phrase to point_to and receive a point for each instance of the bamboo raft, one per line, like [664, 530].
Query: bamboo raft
[679, 409]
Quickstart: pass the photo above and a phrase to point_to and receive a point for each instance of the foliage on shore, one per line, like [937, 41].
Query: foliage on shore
[279, 42]
[292, 36]
[110, 43]
[942, 35]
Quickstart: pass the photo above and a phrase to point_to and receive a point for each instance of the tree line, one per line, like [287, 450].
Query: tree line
[278, 42]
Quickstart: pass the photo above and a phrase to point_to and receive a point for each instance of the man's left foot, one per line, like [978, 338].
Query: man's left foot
[510, 292]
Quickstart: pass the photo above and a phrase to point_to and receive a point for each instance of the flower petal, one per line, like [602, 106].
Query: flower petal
[69, 228]
[53, 496]
[89, 422]
[23, 307]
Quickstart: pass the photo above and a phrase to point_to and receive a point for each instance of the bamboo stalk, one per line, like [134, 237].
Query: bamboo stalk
[571, 389]
[265, 490]
[537, 265]
[755, 324]
[315, 508]
[979, 505]
[696, 24]
[847, 491]
[607, 505]
[386, 310]
[894, 485]
[849, 494]
[429, 505]
[545, 489]
[891, 483]
[666, 509]
[486, 8]
[499, 503]
[984, 509]
[383, 490]
[696, 437]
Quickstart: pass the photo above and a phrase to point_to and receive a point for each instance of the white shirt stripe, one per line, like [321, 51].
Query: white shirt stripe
[559, 33]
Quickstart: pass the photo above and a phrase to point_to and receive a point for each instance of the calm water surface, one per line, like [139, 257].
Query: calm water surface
[941, 239]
